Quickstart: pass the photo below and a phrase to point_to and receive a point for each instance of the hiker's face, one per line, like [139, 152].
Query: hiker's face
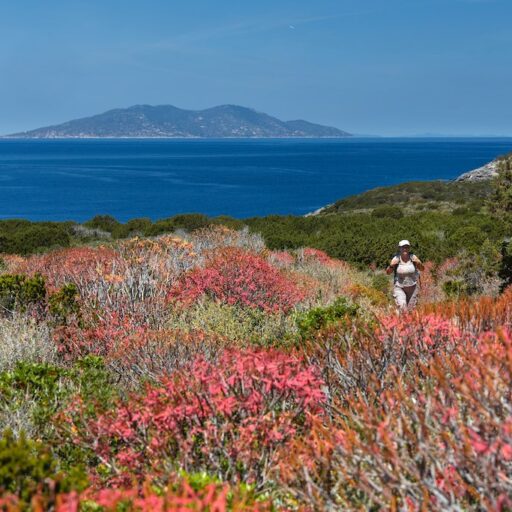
[405, 249]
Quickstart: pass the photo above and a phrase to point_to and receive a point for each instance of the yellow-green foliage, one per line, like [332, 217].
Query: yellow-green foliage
[234, 323]
[28, 467]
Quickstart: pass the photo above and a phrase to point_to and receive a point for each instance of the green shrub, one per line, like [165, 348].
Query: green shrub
[468, 237]
[64, 304]
[505, 272]
[28, 467]
[381, 282]
[49, 388]
[455, 289]
[18, 291]
[317, 318]
[476, 273]
[235, 323]
[103, 222]
[388, 211]
[134, 227]
[24, 237]
[188, 222]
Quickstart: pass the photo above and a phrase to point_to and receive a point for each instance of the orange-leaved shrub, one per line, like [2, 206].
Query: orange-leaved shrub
[420, 418]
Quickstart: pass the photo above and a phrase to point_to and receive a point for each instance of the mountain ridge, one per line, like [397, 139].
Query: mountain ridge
[168, 121]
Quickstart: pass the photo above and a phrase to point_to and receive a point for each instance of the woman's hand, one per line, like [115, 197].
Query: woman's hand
[394, 262]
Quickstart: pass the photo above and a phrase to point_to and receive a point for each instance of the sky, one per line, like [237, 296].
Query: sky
[379, 67]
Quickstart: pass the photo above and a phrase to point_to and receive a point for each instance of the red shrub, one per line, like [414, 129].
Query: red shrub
[475, 315]
[105, 336]
[234, 276]
[180, 498]
[227, 418]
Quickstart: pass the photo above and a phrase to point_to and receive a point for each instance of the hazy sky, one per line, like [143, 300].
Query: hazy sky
[389, 67]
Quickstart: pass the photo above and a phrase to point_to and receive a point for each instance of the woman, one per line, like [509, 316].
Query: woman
[406, 267]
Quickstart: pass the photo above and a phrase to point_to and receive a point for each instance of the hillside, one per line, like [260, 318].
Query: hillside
[470, 190]
[208, 372]
[156, 365]
[167, 121]
[416, 196]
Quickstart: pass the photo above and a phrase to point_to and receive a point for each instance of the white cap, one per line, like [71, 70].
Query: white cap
[403, 242]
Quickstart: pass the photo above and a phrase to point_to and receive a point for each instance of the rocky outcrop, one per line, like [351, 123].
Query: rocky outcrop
[319, 211]
[486, 172]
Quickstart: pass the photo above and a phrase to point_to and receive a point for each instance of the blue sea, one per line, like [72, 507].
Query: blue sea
[77, 179]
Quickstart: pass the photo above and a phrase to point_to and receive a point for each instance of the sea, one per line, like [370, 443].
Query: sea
[157, 178]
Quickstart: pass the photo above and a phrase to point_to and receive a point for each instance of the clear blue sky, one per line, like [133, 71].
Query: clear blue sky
[389, 67]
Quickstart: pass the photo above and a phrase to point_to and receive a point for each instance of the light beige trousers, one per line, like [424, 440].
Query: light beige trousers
[406, 297]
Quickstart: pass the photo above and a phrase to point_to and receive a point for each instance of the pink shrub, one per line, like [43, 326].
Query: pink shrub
[178, 495]
[322, 257]
[281, 259]
[420, 333]
[234, 276]
[80, 265]
[227, 418]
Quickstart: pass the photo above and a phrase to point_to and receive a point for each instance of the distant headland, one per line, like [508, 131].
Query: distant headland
[167, 121]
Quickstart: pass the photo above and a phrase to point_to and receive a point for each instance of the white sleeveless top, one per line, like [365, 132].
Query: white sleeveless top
[406, 274]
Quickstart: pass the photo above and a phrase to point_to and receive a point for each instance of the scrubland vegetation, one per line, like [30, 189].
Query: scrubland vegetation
[196, 364]
[209, 372]
[362, 230]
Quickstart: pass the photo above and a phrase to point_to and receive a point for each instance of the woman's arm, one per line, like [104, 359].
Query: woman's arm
[391, 267]
[418, 263]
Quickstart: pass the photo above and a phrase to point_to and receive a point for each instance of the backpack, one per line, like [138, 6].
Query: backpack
[411, 254]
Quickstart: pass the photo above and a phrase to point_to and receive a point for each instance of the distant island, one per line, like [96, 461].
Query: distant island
[167, 121]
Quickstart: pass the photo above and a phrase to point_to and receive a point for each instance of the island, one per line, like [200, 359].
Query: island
[167, 121]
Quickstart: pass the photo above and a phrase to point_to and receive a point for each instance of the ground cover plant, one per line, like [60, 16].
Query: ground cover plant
[207, 371]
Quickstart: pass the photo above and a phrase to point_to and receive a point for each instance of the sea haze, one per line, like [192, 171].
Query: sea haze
[77, 179]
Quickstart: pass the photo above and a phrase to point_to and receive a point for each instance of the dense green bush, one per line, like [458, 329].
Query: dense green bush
[19, 292]
[317, 318]
[363, 239]
[187, 222]
[28, 467]
[49, 388]
[381, 282]
[505, 272]
[393, 212]
[104, 223]
[500, 202]
[476, 273]
[134, 227]
[24, 237]
[468, 237]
